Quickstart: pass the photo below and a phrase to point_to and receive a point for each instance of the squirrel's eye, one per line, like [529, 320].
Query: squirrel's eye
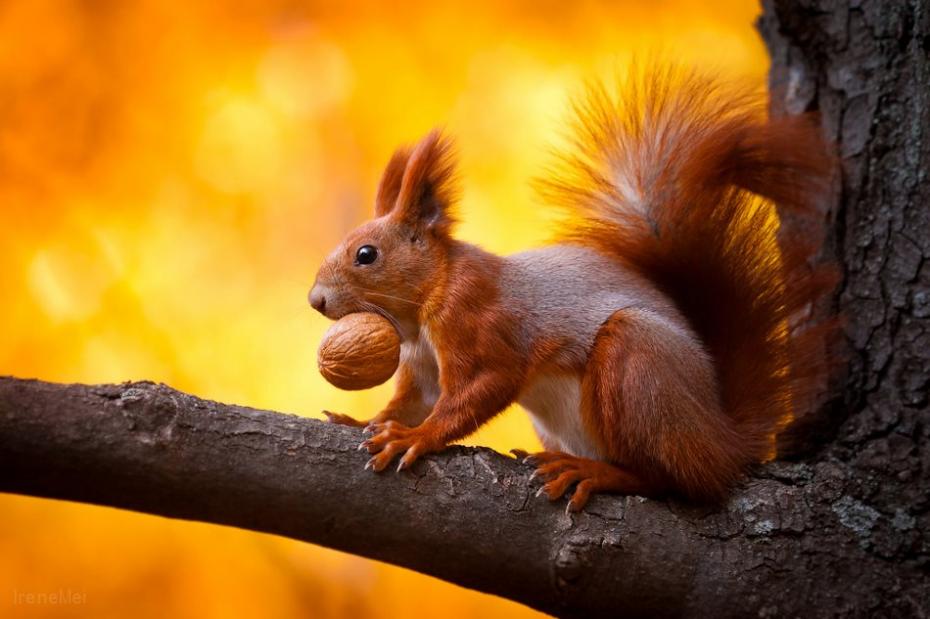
[366, 254]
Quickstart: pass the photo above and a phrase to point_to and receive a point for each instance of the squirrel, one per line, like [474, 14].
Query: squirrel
[659, 343]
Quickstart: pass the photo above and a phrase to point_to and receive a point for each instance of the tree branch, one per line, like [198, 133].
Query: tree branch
[467, 515]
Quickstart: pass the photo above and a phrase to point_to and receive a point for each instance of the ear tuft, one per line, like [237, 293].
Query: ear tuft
[389, 187]
[427, 190]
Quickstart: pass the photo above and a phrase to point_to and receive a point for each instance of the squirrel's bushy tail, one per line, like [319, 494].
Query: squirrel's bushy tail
[666, 174]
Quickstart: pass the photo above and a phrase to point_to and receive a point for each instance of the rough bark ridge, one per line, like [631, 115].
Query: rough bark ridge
[842, 532]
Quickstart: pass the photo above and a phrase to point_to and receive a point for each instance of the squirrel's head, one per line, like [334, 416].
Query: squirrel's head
[390, 264]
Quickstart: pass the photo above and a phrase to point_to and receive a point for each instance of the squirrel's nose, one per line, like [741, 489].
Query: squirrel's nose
[317, 298]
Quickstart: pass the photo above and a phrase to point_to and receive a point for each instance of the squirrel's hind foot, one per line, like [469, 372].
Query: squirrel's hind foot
[561, 471]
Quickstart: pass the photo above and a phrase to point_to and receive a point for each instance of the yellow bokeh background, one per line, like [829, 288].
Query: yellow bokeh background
[171, 173]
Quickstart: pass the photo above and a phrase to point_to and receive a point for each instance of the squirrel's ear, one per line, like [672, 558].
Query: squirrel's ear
[427, 189]
[389, 186]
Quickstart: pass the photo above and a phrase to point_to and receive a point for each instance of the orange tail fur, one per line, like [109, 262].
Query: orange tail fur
[667, 175]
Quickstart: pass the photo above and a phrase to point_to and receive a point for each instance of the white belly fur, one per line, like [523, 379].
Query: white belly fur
[554, 404]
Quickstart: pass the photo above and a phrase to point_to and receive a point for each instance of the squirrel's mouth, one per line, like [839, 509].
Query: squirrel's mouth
[375, 309]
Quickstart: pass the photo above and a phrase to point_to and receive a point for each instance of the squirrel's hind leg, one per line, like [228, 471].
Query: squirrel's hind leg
[650, 397]
[561, 471]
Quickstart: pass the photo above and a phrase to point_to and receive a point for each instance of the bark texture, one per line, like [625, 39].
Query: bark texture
[864, 67]
[793, 542]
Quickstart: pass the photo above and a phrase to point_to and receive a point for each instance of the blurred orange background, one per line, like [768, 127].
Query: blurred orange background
[171, 173]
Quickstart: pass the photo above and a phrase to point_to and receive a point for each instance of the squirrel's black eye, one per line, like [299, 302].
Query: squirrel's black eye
[366, 254]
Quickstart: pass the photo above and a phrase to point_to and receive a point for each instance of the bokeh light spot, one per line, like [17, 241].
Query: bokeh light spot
[240, 149]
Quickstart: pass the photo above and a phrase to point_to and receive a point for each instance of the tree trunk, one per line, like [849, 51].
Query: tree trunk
[842, 531]
[865, 67]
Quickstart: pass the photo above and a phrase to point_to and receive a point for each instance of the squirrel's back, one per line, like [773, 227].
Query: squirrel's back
[666, 176]
[565, 292]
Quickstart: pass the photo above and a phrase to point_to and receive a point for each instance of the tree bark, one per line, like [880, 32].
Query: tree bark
[864, 67]
[841, 531]
[792, 542]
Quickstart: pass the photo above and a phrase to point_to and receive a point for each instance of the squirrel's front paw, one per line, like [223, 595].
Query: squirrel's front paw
[392, 438]
[344, 420]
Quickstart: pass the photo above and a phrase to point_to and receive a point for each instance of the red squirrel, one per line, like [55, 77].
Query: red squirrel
[656, 343]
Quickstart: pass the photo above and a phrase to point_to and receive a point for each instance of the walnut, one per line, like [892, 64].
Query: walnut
[359, 351]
